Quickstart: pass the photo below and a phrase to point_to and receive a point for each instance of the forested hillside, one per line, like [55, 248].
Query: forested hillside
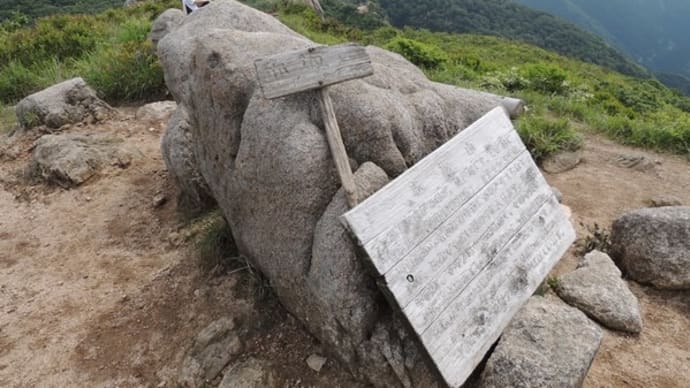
[509, 20]
[654, 32]
[37, 8]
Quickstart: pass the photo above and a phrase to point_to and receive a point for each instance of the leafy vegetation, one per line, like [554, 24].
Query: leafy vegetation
[110, 51]
[564, 96]
[37, 8]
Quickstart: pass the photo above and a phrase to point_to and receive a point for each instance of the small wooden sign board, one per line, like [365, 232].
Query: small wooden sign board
[462, 239]
[316, 68]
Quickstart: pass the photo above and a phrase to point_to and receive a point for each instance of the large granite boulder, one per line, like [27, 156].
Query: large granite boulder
[68, 102]
[268, 165]
[653, 246]
[547, 344]
[164, 23]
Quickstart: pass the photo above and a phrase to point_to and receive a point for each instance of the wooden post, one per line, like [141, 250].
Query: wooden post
[335, 142]
[315, 69]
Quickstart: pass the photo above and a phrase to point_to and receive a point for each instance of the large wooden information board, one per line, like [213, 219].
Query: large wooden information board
[462, 239]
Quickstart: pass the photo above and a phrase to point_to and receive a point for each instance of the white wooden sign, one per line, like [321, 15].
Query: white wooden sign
[316, 68]
[462, 239]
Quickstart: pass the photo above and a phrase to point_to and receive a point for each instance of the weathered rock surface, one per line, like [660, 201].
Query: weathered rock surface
[176, 147]
[250, 373]
[597, 289]
[213, 349]
[663, 201]
[164, 23]
[639, 163]
[68, 102]
[547, 344]
[653, 246]
[156, 112]
[71, 159]
[562, 162]
[268, 165]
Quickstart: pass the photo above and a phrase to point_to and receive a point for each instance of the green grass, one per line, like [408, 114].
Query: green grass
[218, 255]
[8, 120]
[109, 50]
[111, 53]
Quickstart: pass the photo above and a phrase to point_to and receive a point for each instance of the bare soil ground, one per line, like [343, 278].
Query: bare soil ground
[98, 287]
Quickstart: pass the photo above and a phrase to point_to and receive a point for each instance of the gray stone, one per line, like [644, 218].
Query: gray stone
[316, 362]
[547, 344]
[164, 23]
[653, 246]
[268, 165]
[213, 349]
[639, 163]
[156, 112]
[663, 201]
[562, 162]
[250, 373]
[71, 159]
[182, 165]
[68, 102]
[597, 289]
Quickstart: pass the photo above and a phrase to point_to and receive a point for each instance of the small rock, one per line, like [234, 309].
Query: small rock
[213, 348]
[597, 289]
[68, 102]
[71, 159]
[156, 112]
[653, 246]
[547, 344]
[248, 374]
[636, 162]
[316, 362]
[159, 200]
[562, 162]
[664, 201]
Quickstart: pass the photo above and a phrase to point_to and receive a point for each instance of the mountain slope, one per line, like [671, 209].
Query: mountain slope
[507, 19]
[654, 32]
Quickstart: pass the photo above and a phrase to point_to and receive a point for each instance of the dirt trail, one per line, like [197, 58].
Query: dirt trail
[97, 288]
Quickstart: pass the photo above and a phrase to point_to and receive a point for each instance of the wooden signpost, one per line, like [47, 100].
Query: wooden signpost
[462, 239]
[317, 68]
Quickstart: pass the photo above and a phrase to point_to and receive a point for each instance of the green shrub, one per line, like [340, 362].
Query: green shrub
[125, 72]
[546, 78]
[16, 82]
[544, 137]
[421, 54]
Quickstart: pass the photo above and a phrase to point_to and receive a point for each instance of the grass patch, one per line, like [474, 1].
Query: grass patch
[544, 137]
[8, 119]
[218, 256]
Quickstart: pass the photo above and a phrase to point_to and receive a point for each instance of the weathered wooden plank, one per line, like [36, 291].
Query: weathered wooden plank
[486, 317]
[447, 193]
[438, 266]
[313, 68]
[440, 183]
[462, 239]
